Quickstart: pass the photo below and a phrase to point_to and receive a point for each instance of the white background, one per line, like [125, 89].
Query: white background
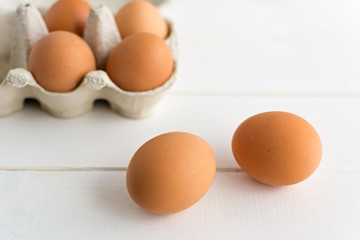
[65, 179]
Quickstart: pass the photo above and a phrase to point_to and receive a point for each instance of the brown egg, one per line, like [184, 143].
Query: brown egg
[277, 148]
[140, 16]
[60, 60]
[140, 62]
[170, 172]
[68, 15]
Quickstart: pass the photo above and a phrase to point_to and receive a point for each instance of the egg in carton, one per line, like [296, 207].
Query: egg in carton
[102, 35]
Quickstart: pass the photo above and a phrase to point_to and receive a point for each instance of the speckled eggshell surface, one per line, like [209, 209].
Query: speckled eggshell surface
[60, 60]
[68, 15]
[171, 172]
[140, 62]
[277, 148]
[140, 16]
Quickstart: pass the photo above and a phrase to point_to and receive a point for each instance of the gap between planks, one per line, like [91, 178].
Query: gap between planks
[267, 94]
[90, 169]
[124, 169]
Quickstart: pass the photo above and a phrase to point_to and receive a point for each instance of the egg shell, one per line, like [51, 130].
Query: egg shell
[170, 172]
[60, 60]
[102, 35]
[68, 15]
[277, 148]
[140, 16]
[140, 62]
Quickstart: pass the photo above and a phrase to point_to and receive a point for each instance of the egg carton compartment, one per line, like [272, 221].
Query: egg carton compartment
[8, 15]
[102, 35]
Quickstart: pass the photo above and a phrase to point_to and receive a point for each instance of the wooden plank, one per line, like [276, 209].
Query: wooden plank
[254, 46]
[96, 205]
[103, 139]
[268, 46]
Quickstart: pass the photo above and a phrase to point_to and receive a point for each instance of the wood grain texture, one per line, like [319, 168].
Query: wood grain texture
[96, 205]
[103, 139]
[251, 46]
[268, 46]
[237, 58]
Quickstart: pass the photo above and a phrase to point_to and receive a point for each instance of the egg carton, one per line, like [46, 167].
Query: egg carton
[102, 35]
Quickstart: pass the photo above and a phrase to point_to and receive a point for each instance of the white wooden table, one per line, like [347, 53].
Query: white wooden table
[65, 179]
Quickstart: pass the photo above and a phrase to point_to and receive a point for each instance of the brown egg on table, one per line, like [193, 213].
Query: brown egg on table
[140, 16]
[140, 62]
[60, 60]
[68, 15]
[277, 148]
[170, 172]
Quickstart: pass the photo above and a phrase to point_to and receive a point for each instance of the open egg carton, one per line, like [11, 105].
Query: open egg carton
[102, 35]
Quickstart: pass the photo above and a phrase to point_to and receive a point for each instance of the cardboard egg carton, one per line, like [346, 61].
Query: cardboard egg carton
[102, 35]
